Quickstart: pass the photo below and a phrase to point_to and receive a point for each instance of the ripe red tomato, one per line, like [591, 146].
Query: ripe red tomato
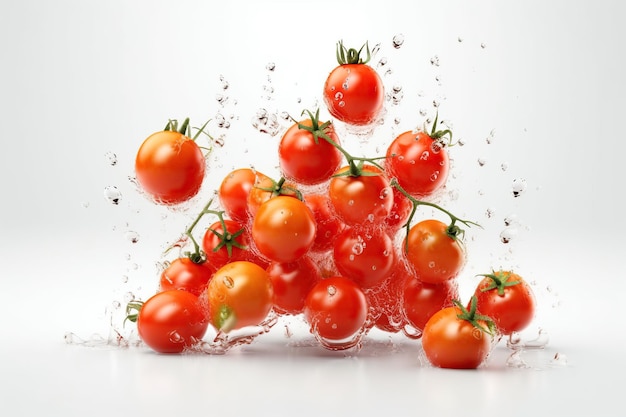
[185, 274]
[420, 300]
[365, 255]
[363, 199]
[233, 192]
[353, 91]
[508, 299]
[283, 229]
[434, 254]
[240, 294]
[222, 246]
[171, 321]
[170, 167]
[292, 282]
[419, 162]
[455, 338]
[306, 159]
[328, 225]
[336, 310]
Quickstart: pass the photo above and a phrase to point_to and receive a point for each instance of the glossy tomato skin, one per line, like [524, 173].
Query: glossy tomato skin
[451, 342]
[234, 190]
[305, 161]
[170, 167]
[240, 294]
[400, 212]
[172, 321]
[336, 309]
[292, 282]
[218, 255]
[354, 94]
[419, 163]
[283, 229]
[365, 255]
[420, 300]
[434, 255]
[328, 224]
[185, 274]
[361, 200]
[512, 310]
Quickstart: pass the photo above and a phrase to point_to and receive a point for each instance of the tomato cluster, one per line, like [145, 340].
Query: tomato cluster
[334, 240]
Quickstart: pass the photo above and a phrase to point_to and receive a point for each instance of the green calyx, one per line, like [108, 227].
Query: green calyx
[227, 239]
[438, 135]
[473, 317]
[132, 311]
[280, 188]
[185, 129]
[352, 56]
[499, 282]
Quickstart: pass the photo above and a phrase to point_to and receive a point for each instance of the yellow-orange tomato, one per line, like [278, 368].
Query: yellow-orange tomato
[239, 294]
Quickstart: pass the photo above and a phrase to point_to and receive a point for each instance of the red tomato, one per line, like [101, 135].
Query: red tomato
[353, 92]
[419, 162]
[171, 321]
[185, 274]
[234, 190]
[434, 255]
[420, 300]
[240, 294]
[306, 159]
[400, 212]
[265, 188]
[292, 282]
[362, 199]
[454, 338]
[222, 246]
[283, 229]
[508, 299]
[336, 310]
[170, 167]
[328, 225]
[365, 255]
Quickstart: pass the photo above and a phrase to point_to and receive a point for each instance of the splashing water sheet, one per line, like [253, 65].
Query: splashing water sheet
[81, 240]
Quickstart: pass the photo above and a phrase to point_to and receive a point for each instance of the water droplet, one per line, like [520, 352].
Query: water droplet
[175, 337]
[266, 122]
[481, 162]
[271, 66]
[540, 342]
[132, 237]
[398, 40]
[559, 359]
[382, 62]
[221, 99]
[431, 264]
[112, 194]
[489, 139]
[128, 297]
[124, 279]
[425, 155]
[228, 282]
[85, 204]
[338, 95]
[111, 157]
[357, 248]
[332, 290]
[490, 212]
[518, 187]
[515, 360]
[434, 61]
[504, 166]
[459, 39]
[483, 45]
[341, 103]
[508, 234]
[434, 176]
[511, 219]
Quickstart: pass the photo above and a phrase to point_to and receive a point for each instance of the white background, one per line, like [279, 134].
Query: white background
[81, 80]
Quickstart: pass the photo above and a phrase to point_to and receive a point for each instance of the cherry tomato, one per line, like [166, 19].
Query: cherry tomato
[240, 294]
[336, 310]
[328, 224]
[185, 274]
[223, 246]
[420, 300]
[170, 167]
[283, 229]
[419, 162]
[362, 199]
[233, 192]
[292, 282]
[432, 252]
[305, 158]
[365, 255]
[171, 321]
[508, 299]
[455, 338]
[353, 91]
[265, 188]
